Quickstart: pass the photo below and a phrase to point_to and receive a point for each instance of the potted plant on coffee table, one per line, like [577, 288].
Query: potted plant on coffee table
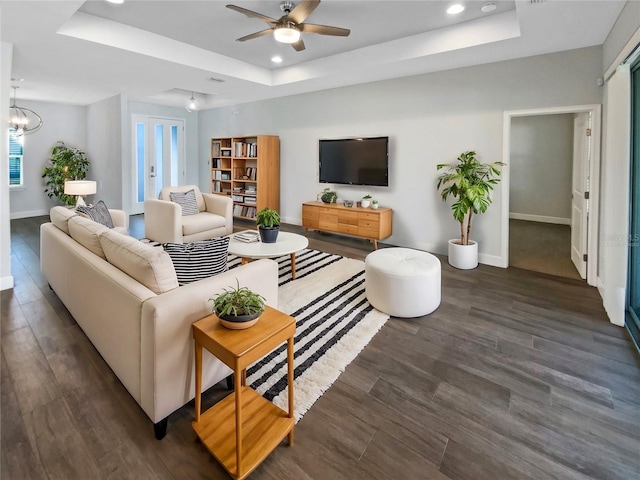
[238, 308]
[268, 221]
[470, 182]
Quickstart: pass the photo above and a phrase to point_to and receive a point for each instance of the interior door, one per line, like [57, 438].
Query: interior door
[158, 157]
[580, 191]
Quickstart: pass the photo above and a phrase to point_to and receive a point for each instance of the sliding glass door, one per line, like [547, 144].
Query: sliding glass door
[633, 300]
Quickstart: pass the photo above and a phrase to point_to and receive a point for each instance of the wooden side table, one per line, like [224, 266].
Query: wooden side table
[259, 425]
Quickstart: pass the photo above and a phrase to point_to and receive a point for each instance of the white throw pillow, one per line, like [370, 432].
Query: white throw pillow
[148, 265]
[87, 233]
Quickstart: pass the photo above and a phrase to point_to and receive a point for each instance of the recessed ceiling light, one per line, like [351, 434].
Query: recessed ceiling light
[276, 59]
[488, 7]
[115, 1]
[455, 9]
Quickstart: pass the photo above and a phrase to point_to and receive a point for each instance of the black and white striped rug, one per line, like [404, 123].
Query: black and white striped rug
[334, 322]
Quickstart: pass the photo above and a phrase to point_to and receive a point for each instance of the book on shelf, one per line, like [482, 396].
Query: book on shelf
[244, 211]
[237, 198]
[250, 200]
[217, 188]
[245, 149]
[215, 148]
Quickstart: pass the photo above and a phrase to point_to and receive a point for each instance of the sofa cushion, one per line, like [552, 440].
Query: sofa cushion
[202, 222]
[187, 200]
[87, 233]
[198, 260]
[149, 265]
[60, 217]
[98, 213]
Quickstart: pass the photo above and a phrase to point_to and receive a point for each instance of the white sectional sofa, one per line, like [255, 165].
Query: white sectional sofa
[125, 296]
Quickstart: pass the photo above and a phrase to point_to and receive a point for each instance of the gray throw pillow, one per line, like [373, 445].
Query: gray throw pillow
[198, 260]
[98, 213]
[187, 200]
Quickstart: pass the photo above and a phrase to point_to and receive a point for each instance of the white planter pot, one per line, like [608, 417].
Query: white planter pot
[464, 257]
[374, 206]
[364, 203]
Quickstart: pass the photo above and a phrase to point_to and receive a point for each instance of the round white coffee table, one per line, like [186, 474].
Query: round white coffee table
[286, 244]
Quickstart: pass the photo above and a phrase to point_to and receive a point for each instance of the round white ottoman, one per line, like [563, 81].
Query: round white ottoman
[402, 282]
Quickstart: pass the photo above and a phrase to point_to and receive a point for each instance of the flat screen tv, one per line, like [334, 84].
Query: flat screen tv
[355, 161]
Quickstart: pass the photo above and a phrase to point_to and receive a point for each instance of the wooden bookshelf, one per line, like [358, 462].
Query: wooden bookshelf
[247, 168]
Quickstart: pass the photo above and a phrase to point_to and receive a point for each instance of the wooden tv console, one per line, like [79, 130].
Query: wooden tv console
[361, 222]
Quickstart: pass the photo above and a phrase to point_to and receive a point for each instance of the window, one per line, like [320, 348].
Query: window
[15, 159]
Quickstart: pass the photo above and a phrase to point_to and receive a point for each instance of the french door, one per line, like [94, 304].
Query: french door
[158, 157]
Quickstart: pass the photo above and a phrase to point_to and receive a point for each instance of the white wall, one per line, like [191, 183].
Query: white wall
[541, 167]
[104, 148]
[6, 278]
[60, 123]
[430, 119]
[626, 25]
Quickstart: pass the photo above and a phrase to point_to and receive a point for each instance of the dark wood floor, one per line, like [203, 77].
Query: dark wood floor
[517, 375]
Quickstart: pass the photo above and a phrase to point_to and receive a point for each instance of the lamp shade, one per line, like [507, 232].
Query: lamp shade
[80, 187]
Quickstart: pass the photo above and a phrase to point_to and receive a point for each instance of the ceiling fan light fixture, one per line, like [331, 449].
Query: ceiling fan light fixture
[286, 33]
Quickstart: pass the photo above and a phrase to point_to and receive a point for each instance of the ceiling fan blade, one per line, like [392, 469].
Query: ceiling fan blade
[252, 14]
[255, 35]
[298, 46]
[300, 13]
[324, 30]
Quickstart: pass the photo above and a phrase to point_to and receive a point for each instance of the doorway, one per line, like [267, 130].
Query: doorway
[551, 189]
[158, 157]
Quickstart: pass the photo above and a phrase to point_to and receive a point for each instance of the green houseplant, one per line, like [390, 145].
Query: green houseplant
[268, 221]
[470, 183]
[329, 196]
[237, 308]
[366, 201]
[66, 163]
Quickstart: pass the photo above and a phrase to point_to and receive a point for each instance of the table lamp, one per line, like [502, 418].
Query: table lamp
[80, 188]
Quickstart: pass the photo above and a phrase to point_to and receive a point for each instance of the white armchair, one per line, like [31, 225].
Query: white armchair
[164, 222]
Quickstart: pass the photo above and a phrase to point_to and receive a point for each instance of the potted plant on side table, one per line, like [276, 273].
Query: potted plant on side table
[470, 182]
[366, 200]
[268, 221]
[238, 308]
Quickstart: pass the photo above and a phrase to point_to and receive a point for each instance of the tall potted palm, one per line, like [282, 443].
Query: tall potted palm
[470, 182]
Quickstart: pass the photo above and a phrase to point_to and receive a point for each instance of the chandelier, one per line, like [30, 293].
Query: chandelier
[23, 120]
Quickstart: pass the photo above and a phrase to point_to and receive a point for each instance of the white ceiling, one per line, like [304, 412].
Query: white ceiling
[79, 53]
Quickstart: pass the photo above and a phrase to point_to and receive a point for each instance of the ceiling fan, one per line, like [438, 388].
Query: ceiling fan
[287, 28]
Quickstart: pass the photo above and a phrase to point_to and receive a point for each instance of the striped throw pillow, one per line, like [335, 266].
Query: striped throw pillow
[98, 213]
[198, 260]
[187, 200]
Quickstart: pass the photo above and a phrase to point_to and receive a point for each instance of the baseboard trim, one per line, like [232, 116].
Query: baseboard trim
[6, 282]
[32, 213]
[540, 218]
